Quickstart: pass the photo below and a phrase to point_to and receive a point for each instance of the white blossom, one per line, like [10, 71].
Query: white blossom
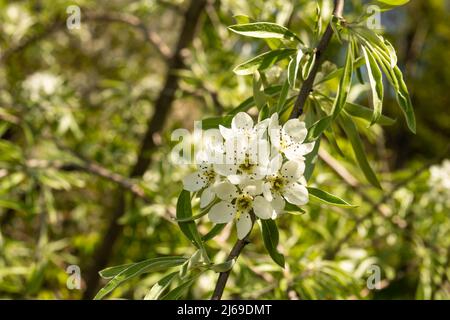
[289, 139]
[262, 167]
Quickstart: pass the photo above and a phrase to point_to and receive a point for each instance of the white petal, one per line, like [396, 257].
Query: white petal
[262, 208]
[243, 225]
[206, 197]
[295, 129]
[237, 179]
[226, 191]
[222, 212]
[261, 127]
[278, 204]
[274, 131]
[296, 194]
[295, 152]
[275, 164]
[266, 192]
[242, 121]
[225, 169]
[194, 181]
[226, 133]
[253, 188]
[293, 170]
[307, 147]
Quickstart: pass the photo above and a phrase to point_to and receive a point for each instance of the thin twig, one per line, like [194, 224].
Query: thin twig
[306, 88]
[223, 276]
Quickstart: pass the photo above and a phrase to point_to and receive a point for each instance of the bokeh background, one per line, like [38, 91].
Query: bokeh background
[85, 122]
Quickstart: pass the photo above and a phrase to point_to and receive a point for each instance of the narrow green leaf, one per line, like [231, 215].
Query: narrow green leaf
[293, 209]
[271, 239]
[214, 122]
[224, 266]
[376, 85]
[177, 292]
[214, 231]
[263, 61]
[404, 100]
[315, 131]
[345, 83]
[258, 91]
[283, 96]
[352, 134]
[184, 210]
[327, 198]
[359, 111]
[311, 160]
[264, 30]
[307, 67]
[271, 91]
[158, 288]
[135, 269]
[390, 4]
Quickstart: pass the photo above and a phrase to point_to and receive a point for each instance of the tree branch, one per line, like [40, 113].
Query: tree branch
[306, 88]
[223, 276]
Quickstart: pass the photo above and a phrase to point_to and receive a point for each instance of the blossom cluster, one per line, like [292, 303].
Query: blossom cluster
[260, 168]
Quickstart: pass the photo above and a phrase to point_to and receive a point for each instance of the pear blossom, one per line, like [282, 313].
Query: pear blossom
[289, 138]
[237, 202]
[254, 171]
[285, 183]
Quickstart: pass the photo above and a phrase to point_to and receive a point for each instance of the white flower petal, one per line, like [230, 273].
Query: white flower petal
[275, 164]
[262, 208]
[194, 181]
[266, 192]
[252, 188]
[261, 127]
[295, 152]
[222, 212]
[296, 194]
[225, 169]
[237, 179]
[206, 197]
[278, 204]
[226, 191]
[293, 170]
[226, 133]
[242, 121]
[295, 129]
[243, 225]
[274, 131]
[307, 147]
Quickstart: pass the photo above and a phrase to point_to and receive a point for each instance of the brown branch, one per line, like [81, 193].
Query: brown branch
[306, 88]
[154, 125]
[223, 276]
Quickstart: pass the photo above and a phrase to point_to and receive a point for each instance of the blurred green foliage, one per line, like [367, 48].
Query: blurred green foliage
[70, 99]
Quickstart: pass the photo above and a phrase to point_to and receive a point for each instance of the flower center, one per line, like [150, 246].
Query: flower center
[210, 175]
[277, 183]
[244, 203]
[246, 167]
